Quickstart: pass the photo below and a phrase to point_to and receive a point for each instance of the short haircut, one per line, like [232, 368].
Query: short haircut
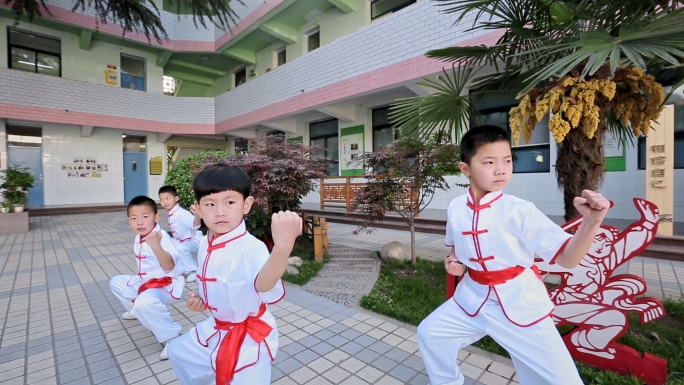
[169, 190]
[478, 137]
[142, 201]
[219, 178]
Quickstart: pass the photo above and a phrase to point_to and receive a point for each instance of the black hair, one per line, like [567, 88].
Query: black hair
[219, 178]
[142, 201]
[478, 137]
[169, 190]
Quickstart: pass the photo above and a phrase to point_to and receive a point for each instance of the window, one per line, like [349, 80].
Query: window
[134, 143]
[383, 130]
[241, 146]
[133, 72]
[325, 135]
[169, 85]
[314, 40]
[33, 53]
[241, 76]
[282, 57]
[383, 7]
[24, 136]
[678, 140]
[527, 157]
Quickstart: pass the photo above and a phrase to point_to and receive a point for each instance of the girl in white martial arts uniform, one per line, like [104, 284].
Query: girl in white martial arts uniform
[159, 280]
[496, 236]
[237, 279]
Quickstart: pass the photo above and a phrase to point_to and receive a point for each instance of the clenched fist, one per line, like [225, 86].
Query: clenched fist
[285, 228]
[453, 267]
[154, 238]
[195, 303]
[592, 205]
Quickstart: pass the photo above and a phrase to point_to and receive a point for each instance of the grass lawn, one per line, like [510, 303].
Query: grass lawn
[304, 248]
[409, 293]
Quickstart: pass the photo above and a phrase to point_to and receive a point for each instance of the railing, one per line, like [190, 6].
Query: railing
[341, 194]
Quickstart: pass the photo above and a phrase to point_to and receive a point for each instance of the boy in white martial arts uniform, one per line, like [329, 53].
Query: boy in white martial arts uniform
[237, 279]
[159, 280]
[183, 225]
[496, 236]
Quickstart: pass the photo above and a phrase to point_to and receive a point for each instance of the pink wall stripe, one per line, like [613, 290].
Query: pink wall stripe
[47, 115]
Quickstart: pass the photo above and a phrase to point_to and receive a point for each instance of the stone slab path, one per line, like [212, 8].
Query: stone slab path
[347, 276]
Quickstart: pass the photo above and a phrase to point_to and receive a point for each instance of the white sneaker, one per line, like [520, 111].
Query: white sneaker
[165, 354]
[128, 316]
[192, 277]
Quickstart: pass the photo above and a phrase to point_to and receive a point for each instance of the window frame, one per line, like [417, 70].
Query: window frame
[395, 133]
[395, 9]
[315, 31]
[36, 51]
[326, 137]
[246, 147]
[235, 76]
[284, 52]
[642, 151]
[514, 149]
[144, 60]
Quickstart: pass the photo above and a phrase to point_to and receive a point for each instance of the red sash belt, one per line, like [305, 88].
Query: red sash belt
[229, 350]
[498, 277]
[155, 283]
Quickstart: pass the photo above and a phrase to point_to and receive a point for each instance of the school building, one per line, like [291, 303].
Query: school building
[94, 114]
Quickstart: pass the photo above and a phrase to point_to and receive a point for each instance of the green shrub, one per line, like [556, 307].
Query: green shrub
[182, 174]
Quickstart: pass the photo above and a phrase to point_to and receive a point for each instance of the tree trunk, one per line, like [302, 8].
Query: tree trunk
[580, 166]
[413, 243]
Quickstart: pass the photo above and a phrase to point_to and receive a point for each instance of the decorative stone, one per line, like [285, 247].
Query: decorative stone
[396, 251]
[294, 261]
[291, 270]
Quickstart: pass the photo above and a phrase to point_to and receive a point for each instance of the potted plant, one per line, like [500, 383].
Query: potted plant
[16, 181]
[18, 199]
[5, 207]
[16, 176]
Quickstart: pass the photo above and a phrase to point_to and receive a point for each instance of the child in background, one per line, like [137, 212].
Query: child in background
[159, 280]
[183, 225]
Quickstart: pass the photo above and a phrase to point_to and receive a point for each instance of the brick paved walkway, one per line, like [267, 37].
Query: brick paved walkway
[60, 323]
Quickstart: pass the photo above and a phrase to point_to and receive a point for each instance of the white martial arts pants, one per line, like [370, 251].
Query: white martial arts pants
[538, 352]
[187, 252]
[149, 307]
[192, 363]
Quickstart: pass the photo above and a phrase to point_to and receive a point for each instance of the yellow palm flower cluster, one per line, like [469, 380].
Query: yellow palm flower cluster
[643, 101]
[635, 97]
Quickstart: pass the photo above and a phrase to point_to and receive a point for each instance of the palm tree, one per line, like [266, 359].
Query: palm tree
[589, 64]
[135, 15]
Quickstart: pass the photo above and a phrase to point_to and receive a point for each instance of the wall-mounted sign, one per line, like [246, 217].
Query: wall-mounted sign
[156, 166]
[111, 75]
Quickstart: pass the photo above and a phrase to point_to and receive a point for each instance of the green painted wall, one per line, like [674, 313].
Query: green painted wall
[221, 85]
[190, 89]
[87, 66]
[336, 24]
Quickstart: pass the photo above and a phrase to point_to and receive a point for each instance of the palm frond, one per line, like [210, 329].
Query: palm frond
[449, 109]
[635, 44]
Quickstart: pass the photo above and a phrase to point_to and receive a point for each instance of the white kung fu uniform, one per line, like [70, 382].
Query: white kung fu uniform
[229, 265]
[502, 295]
[185, 235]
[146, 294]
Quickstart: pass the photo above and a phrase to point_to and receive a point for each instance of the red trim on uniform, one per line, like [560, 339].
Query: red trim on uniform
[155, 283]
[274, 302]
[558, 253]
[478, 232]
[481, 260]
[478, 309]
[513, 322]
